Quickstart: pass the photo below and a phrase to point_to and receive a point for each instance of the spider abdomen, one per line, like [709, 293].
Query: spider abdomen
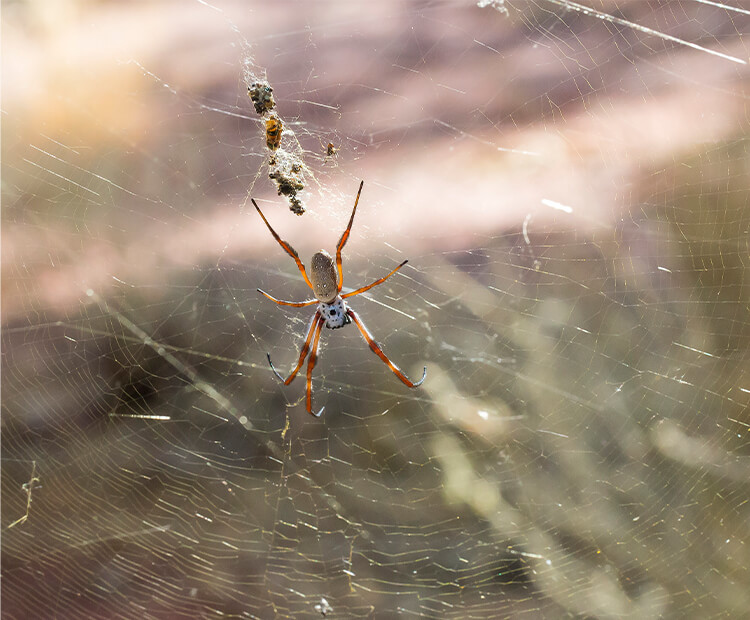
[334, 313]
[323, 277]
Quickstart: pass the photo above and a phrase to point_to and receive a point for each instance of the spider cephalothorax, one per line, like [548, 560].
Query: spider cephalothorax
[335, 313]
[326, 282]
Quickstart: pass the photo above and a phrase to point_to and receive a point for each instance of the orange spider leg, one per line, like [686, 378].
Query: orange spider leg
[310, 365]
[315, 324]
[369, 286]
[379, 352]
[295, 304]
[287, 247]
[344, 239]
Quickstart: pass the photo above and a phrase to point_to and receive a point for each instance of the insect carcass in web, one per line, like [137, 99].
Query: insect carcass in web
[330, 150]
[261, 95]
[274, 127]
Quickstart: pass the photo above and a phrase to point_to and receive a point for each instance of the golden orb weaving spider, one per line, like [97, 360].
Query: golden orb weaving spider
[332, 311]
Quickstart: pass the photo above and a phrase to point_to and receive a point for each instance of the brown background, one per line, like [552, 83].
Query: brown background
[580, 445]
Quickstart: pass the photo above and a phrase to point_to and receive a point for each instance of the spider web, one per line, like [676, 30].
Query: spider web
[569, 182]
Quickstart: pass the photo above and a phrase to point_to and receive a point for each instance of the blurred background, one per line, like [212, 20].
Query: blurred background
[570, 185]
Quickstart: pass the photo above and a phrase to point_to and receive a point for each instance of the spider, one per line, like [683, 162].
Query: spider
[332, 311]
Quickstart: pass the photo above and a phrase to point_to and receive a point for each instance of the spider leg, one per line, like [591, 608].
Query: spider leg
[317, 322]
[344, 239]
[310, 365]
[369, 286]
[295, 304]
[379, 352]
[284, 244]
